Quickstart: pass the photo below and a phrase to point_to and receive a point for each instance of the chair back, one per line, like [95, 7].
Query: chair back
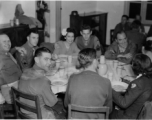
[7, 111]
[146, 111]
[103, 110]
[20, 105]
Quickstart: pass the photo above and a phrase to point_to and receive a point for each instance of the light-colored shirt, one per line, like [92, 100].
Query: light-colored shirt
[61, 49]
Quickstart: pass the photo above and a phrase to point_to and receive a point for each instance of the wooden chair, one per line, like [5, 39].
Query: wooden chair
[18, 104]
[104, 110]
[7, 111]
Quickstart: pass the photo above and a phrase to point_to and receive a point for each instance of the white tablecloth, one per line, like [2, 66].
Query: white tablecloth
[60, 79]
[118, 71]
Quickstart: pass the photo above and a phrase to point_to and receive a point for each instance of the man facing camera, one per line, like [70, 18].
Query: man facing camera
[26, 60]
[33, 81]
[9, 69]
[121, 49]
[124, 25]
[88, 41]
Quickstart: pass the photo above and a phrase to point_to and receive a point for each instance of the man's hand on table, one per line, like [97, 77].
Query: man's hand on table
[128, 55]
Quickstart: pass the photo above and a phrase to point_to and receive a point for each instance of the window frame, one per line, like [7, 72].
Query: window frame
[142, 12]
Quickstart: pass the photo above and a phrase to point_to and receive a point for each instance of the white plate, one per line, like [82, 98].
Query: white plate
[59, 83]
[119, 86]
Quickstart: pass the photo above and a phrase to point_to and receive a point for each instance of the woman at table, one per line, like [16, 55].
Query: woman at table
[88, 88]
[121, 49]
[138, 92]
[66, 46]
[147, 48]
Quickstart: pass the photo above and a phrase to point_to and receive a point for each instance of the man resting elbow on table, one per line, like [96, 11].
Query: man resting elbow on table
[122, 49]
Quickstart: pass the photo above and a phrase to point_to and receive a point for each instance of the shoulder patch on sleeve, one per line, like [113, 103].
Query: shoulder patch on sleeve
[133, 85]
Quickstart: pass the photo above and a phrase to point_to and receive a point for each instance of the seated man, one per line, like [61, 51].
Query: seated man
[122, 49]
[147, 48]
[33, 81]
[88, 88]
[26, 60]
[138, 17]
[9, 70]
[124, 25]
[135, 35]
[88, 41]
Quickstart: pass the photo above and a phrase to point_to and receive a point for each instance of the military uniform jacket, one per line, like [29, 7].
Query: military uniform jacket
[33, 81]
[138, 92]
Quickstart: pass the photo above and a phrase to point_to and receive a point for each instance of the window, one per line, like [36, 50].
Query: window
[143, 8]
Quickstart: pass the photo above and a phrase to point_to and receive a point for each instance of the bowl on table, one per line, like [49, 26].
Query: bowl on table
[119, 86]
[59, 85]
[59, 82]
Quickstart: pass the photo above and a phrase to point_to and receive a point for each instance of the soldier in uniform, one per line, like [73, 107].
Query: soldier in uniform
[122, 49]
[138, 92]
[34, 81]
[87, 40]
[26, 61]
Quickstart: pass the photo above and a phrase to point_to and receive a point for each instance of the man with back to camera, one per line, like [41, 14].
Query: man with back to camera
[88, 41]
[33, 81]
[26, 60]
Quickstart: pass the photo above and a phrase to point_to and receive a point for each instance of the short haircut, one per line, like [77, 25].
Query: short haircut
[126, 16]
[86, 57]
[135, 24]
[41, 50]
[85, 27]
[69, 30]
[148, 45]
[141, 64]
[33, 30]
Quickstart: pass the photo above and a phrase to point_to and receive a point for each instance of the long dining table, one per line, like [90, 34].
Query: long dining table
[115, 73]
[60, 75]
